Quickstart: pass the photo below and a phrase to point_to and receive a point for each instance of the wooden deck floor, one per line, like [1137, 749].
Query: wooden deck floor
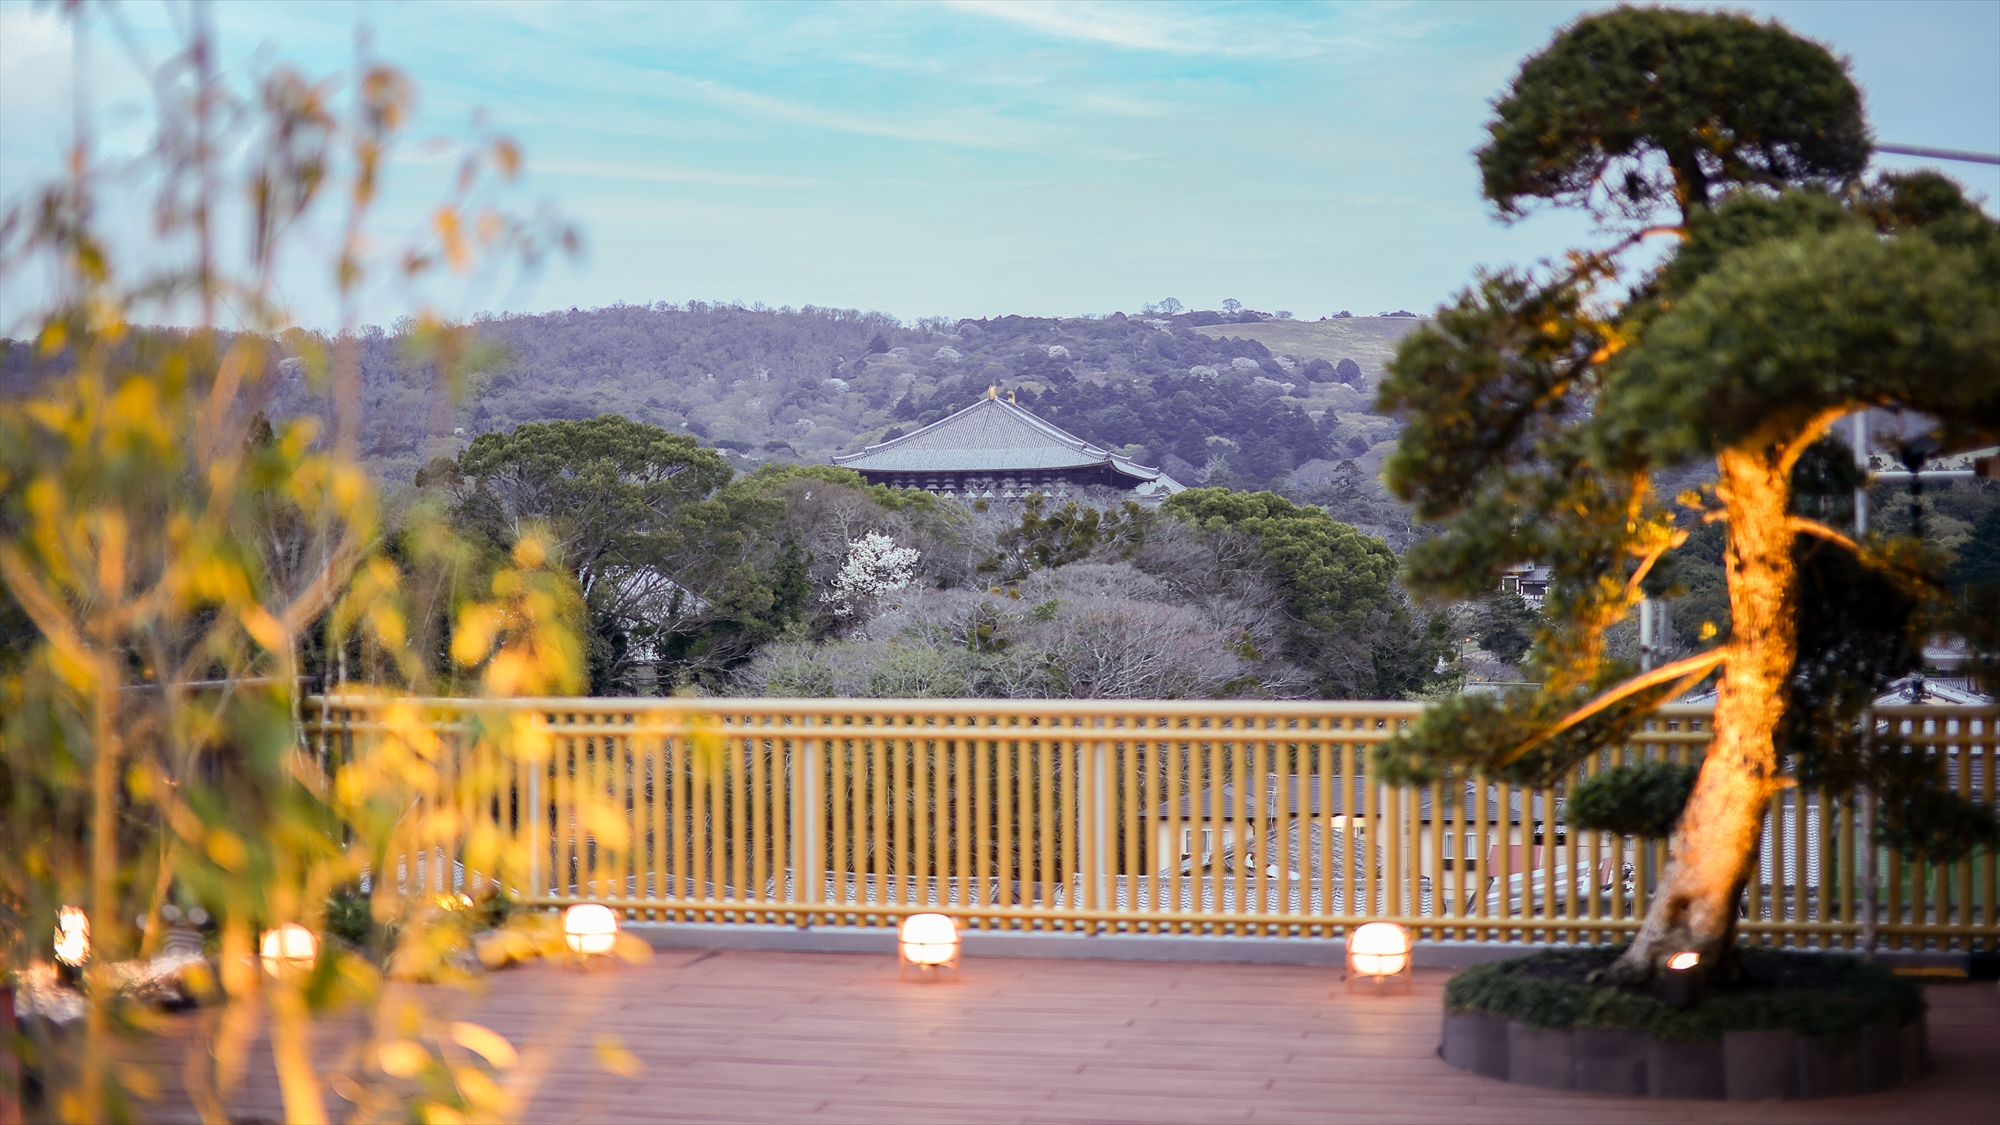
[741, 1036]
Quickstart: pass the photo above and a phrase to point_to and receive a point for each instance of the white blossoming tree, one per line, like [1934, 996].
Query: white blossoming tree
[875, 566]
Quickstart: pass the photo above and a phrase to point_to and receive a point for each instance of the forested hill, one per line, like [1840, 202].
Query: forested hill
[1201, 393]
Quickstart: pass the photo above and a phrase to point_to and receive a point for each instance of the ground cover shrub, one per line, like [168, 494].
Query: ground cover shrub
[1643, 799]
[1809, 994]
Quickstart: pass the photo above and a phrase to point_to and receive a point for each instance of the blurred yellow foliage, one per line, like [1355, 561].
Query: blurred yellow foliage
[182, 563]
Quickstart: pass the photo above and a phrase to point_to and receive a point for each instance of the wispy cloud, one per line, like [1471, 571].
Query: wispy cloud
[1154, 27]
[965, 128]
[627, 170]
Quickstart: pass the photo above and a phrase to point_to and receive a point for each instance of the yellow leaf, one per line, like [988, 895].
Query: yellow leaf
[479, 1091]
[265, 629]
[612, 1055]
[227, 850]
[530, 552]
[403, 1058]
[473, 639]
[486, 1043]
[138, 1081]
[447, 226]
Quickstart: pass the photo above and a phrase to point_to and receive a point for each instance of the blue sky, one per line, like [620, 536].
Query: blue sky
[975, 159]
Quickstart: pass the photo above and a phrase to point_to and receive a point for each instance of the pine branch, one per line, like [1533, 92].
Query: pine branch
[1691, 668]
[1804, 526]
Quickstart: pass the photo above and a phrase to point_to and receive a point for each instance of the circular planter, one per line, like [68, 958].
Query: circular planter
[1755, 1064]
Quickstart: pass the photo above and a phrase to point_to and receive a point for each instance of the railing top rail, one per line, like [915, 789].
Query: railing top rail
[1946, 710]
[727, 708]
[754, 706]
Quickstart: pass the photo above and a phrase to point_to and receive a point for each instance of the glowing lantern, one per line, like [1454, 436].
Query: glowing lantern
[72, 943]
[1378, 951]
[291, 948]
[929, 941]
[590, 930]
[1681, 983]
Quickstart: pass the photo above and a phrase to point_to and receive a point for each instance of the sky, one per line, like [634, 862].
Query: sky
[952, 159]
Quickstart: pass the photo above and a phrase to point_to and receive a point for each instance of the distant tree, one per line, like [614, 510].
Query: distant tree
[1505, 626]
[1979, 558]
[1347, 623]
[1046, 539]
[1170, 306]
[1283, 314]
[1347, 371]
[1088, 631]
[630, 510]
[1232, 306]
[875, 566]
[878, 344]
[1319, 371]
[1535, 426]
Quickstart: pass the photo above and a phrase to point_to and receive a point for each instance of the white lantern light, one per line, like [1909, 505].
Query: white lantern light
[72, 943]
[591, 930]
[291, 948]
[929, 941]
[1379, 950]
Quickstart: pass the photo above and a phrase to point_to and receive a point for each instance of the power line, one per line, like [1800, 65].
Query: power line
[1940, 153]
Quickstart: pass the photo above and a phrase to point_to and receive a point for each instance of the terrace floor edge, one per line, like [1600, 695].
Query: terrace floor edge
[1190, 948]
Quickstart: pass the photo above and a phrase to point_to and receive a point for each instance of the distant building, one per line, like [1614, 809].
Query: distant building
[1528, 580]
[994, 450]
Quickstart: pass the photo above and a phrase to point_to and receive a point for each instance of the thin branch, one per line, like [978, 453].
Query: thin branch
[1814, 428]
[1678, 230]
[1804, 526]
[1689, 667]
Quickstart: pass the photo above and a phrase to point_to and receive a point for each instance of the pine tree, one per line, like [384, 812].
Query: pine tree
[1798, 293]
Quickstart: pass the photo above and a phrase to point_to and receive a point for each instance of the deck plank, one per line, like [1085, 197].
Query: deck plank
[757, 1037]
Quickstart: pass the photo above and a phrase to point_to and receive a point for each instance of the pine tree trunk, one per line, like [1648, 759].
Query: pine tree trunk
[1715, 844]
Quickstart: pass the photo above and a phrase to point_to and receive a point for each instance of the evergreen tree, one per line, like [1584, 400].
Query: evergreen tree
[1536, 423]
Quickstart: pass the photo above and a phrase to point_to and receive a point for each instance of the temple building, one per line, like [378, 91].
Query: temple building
[994, 450]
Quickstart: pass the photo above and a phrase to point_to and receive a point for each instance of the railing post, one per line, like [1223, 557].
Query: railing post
[532, 806]
[1100, 846]
[805, 825]
[1864, 842]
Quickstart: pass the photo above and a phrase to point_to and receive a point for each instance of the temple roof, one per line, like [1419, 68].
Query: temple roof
[989, 436]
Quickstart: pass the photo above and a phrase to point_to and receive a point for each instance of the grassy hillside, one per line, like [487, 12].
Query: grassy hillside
[1367, 340]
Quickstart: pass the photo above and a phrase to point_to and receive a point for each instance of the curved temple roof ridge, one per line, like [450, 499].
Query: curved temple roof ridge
[996, 448]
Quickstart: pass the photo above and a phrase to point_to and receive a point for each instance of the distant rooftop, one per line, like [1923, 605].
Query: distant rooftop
[993, 436]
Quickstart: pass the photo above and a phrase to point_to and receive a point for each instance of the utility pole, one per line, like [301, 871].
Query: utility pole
[1864, 842]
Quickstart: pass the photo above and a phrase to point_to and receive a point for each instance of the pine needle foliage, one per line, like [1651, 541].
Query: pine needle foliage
[1543, 404]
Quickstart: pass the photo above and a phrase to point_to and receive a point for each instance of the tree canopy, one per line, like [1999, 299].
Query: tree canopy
[1541, 412]
[633, 511]
[1349, 626]
[1638, 108]
[1333, 577]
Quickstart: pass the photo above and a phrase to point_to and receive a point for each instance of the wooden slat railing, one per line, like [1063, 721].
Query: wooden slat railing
[1149, 817]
